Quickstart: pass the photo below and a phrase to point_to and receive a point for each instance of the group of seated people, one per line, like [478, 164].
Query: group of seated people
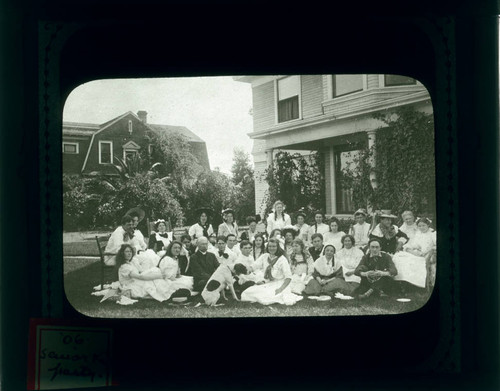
[275, 262]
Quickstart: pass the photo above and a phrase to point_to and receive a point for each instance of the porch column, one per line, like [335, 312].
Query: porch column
[372, 138]
[372, 146]
[269, 157]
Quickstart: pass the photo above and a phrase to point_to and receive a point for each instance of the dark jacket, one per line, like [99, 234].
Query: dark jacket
[202, 266]
[382, 262]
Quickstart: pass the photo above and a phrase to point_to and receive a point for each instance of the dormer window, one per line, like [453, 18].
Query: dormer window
[130, 126]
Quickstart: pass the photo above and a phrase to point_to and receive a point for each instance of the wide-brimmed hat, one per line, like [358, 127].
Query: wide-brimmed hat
[361, 211]
[204, 209]
[387, 213]
[137, 210]
[289, 228]
[227, 210]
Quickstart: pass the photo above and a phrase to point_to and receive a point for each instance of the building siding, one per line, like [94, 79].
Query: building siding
[264, 106]
[328, 182]
[72, 163]
[311, 95]
[372, 81]
[119, 135]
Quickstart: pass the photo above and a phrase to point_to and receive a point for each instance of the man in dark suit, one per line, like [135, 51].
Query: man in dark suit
[202, 264]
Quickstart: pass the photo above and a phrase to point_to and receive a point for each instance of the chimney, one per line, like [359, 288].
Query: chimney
[143, 116]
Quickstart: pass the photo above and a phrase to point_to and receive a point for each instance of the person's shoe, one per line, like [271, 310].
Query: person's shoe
[368, 293]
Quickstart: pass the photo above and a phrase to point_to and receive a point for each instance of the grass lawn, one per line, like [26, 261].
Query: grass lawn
[81, 275]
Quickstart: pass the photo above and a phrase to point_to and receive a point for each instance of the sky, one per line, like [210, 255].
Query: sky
[217, 109]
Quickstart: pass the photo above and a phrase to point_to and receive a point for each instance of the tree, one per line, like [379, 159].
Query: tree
[243, 195]
[405, 165]
[212, 189]
[177, 160]
[297, 180]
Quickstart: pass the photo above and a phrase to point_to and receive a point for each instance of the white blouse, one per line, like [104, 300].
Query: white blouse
[169, 268]
[303, 232]
[196, 230]
[321, 229]
[280, 270]
[361, 234]
[226, 229]
[279, 223]
[349, 259]
[327, 267]
[334, 239]
[409, 230]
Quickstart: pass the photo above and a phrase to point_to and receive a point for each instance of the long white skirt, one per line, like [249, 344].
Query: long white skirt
[410, 268]
[265, 294]
[298, 283]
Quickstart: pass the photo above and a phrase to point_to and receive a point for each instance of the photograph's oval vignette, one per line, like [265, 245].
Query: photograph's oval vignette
[249, 196]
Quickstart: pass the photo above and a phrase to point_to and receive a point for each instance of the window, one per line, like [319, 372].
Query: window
[105, 152]
[288, 98]
[346, 84]
[129, 154]
[397, 80]
[346, 160]
[71, 148]
[130, 126]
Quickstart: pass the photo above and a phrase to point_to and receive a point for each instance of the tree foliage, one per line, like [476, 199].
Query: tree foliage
[243, 194]
[297, 180]
[405, 165]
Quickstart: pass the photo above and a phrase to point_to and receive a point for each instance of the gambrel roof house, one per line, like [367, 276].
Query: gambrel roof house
[89, 147]
[332, 114]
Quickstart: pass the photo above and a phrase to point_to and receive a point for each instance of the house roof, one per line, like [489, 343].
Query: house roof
[177, 129]
[79, 129]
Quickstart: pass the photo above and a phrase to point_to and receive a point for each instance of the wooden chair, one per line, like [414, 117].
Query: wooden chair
[108, 273]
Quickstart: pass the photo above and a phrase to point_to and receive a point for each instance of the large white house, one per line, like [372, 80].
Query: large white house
[329, 113]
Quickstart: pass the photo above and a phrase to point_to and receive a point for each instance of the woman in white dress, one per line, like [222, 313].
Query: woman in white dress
[144, 284]
[411, 262]
[171, 267]
[334, 236]
[277, 276]
[229, 226]
[278, 219]
[202, 226]
[301, 265]
[318, 227]
[409, 227]
[349, 257]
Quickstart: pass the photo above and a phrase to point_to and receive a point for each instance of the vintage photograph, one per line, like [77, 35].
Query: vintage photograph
[249, 196]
